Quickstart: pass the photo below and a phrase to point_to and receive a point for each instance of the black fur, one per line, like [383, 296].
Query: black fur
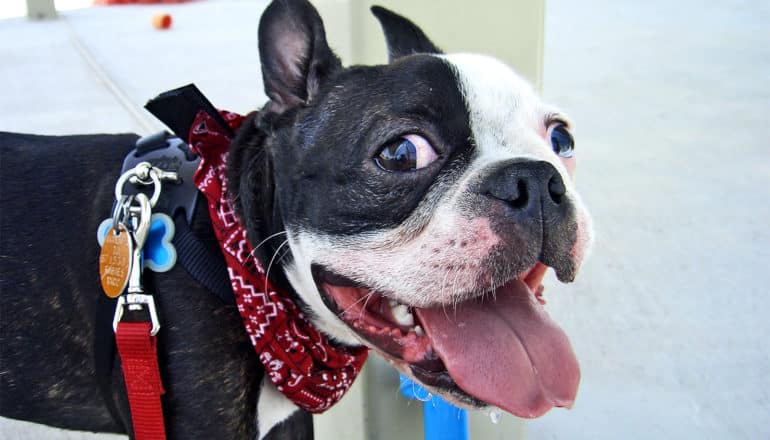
[358, 196]
[293, 134]
[403, 37]
[295, 56]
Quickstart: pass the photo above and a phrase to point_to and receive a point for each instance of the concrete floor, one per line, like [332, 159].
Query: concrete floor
[671, 99]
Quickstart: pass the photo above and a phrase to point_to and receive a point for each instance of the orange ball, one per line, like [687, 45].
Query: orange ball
[161, 21]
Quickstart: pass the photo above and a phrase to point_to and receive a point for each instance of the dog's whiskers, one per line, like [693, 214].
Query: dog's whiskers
[284, 253]
[444, 283]
[261, 243]
[455, 290]
[363, 298]
[368, 297]
[269, 266]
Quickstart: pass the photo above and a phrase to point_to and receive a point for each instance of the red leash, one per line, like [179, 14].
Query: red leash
[139, 356]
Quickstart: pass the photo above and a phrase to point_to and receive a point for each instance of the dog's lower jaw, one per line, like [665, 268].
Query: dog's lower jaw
[299, 274]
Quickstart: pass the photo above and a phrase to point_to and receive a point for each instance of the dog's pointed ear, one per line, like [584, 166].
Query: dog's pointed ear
[295, 56]
[403, 36]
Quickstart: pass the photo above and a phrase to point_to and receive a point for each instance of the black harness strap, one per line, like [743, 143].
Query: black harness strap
[178, 108]
[207, 267]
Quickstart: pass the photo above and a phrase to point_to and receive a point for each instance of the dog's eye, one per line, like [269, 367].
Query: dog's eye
[407, 153]
[561, 140]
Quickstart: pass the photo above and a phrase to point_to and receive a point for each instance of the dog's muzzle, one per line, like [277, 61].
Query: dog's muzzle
[535, 210]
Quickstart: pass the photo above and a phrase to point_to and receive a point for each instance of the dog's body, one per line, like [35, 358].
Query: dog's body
[431, 188]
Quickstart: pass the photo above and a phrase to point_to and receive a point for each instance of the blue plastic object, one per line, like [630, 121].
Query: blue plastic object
[158, 253]
[442, 420]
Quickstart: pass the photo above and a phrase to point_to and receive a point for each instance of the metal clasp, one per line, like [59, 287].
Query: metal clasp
[137, 301]
[140, 228]
[145, 174]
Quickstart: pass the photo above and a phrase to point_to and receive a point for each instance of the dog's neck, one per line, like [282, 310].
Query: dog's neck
[249, 171]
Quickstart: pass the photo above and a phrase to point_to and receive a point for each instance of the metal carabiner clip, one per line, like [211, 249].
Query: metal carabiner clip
[137, 301]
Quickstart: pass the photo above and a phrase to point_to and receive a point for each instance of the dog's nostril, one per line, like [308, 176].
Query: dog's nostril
[556, 188]
[514, 192]
[521, 198]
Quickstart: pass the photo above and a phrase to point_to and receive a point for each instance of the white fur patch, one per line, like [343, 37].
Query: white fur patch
[506, 117]
[272, 408]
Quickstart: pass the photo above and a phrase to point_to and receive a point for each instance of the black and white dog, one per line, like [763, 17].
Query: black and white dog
[422, 202]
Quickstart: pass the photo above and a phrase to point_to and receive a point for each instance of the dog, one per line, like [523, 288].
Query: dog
[413, 207]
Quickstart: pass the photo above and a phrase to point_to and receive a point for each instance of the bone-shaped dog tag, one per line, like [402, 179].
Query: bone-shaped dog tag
[115, 261]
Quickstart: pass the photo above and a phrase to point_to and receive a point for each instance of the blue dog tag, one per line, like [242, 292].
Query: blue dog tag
[158, 254]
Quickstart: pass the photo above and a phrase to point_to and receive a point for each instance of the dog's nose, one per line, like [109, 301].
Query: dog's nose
[529, 187]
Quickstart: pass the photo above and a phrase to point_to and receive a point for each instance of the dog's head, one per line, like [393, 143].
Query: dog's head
[422, 203]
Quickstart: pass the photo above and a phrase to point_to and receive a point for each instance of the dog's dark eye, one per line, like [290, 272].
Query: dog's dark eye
[561, 140]
[407, 153]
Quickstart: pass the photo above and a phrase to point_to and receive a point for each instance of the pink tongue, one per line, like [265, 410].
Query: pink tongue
[506, 352]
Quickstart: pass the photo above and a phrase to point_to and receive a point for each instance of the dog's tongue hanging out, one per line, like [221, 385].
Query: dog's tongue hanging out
[505, 351]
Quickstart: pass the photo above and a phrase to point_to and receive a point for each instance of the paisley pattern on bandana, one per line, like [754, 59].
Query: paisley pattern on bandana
[303, 364]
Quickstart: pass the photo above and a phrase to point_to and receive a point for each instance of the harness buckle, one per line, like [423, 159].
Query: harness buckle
[137, 301]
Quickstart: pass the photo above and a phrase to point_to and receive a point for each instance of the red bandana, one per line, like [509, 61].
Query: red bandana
[302, 363]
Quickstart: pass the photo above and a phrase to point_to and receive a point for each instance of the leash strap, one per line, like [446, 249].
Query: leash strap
[139, 357]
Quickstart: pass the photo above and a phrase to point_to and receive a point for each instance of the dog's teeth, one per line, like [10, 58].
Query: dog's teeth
[402, 315]
[392, 302]
[418, 331]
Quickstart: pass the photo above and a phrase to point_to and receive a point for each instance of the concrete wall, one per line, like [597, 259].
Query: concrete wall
[509, 30]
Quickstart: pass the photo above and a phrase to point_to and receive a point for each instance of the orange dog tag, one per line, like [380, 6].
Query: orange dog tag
[115, 261]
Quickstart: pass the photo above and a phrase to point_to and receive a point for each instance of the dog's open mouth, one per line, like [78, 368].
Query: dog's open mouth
[501, 349]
